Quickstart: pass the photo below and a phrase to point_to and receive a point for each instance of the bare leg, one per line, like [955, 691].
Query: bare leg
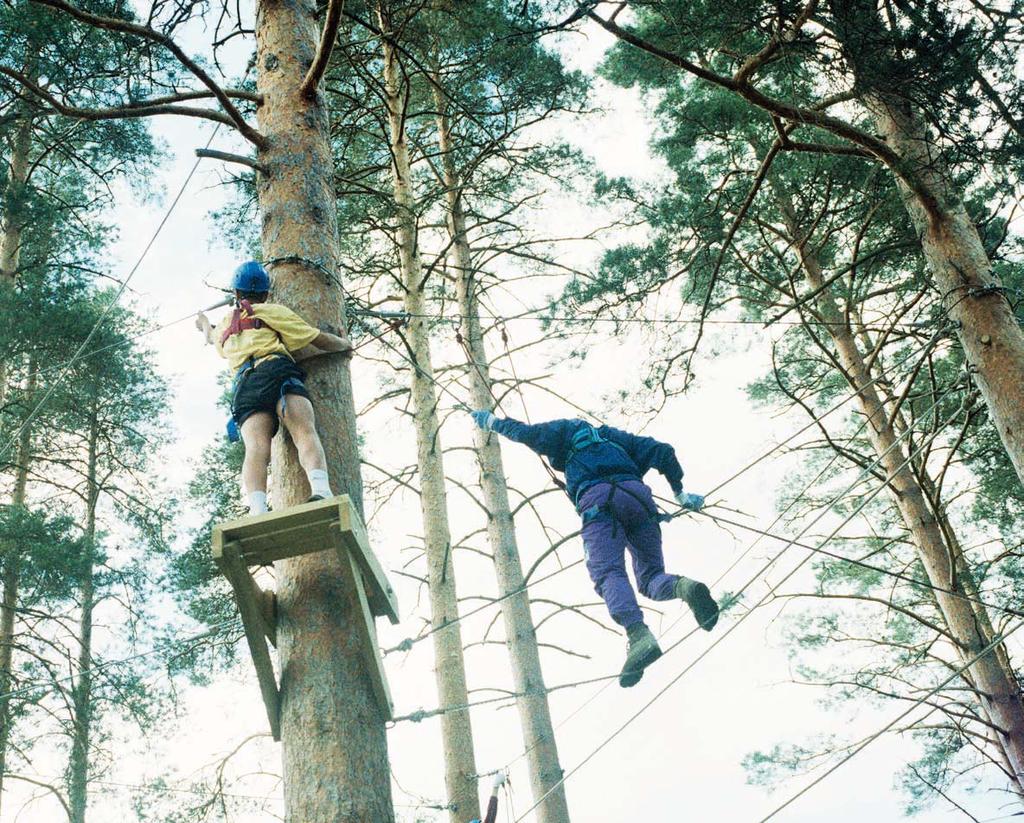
[297, 416]
[257, 431]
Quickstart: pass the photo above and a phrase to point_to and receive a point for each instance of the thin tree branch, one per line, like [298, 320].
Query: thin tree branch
[117, 112]
[323, 51]
[147, 33]
[228, 157]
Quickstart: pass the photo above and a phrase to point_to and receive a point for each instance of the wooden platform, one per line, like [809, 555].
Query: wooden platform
[324, 525]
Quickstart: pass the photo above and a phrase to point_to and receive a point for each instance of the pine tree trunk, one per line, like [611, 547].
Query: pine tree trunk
[11, 583]
[996, 691]
[81, 695]
[992, 339]
[521, 637]
[335, 755]
[450, 667]
[11, 220]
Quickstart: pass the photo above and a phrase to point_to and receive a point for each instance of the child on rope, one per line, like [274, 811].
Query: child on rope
[260, 341]
[603, 470]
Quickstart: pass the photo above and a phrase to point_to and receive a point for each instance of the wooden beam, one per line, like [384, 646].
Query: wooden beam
[323, 525]
[251, 606]
[371, 648]
[381, 596]
[265, 538]
[312, 527]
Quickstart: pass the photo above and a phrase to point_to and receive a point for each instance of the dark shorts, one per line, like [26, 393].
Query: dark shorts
[260, 389]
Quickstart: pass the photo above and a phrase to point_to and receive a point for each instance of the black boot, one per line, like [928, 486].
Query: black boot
[643, 650]
[698, 597]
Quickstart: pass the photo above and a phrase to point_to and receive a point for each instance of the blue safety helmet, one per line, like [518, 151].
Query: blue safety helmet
[251, 277]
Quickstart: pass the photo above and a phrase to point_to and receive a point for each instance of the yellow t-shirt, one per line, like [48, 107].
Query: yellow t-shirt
[283, 332]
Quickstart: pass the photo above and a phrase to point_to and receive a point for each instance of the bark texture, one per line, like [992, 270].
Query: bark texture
[521, 637]
[11, 583]
[11, 226]
[10, 256]
[992, 339]
[968, 624]
[450, 669]
[333, 737]
[81, 695]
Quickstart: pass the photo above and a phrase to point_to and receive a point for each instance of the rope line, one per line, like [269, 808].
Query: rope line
[536, 315]
[870, 567]
[924, 353]
[778, 518]
[1000, 638]
[420, 715]
[749, 612]
[110, 306]
[52, 684]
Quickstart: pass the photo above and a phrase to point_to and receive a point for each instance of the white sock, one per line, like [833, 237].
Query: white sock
[257, 502]
[318, 483]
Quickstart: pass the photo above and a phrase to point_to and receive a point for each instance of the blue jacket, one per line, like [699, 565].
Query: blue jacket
[603, 462]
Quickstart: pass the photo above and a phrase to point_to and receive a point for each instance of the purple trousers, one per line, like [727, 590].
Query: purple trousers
[619, 516]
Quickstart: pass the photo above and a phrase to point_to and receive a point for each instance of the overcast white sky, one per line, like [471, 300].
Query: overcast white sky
[680, 760]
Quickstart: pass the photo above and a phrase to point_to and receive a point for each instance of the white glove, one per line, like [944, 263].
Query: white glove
[499, 781]
[484, 419]
[692, 502]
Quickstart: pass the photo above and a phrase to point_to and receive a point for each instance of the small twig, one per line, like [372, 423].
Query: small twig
[228, 157]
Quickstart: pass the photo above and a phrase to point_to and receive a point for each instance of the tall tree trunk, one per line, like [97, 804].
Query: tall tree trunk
[12, 217]
[332, 728]
[521, 637]
[81, 694]
[996, 691]
[11, 582]
[449, 665]
[992, 339]
[11, 225]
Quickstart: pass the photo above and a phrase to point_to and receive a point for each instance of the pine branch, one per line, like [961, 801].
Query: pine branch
[323, 52]
[52, 789]
[228, 157]
[787, 111]
[147, 109]
[154, 36]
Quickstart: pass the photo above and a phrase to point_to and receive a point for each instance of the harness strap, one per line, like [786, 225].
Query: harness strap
[240, 322]
[606, 509]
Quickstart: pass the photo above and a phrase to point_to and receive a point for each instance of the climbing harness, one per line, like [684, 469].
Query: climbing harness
[864, 503]
[234, 434]
[587, 437]
[242, 318]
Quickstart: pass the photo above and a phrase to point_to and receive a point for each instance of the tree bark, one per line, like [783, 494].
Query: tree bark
[335, 758]
[11, 225]
[521, 637]
[81, 694]
[11, 228]
[450, 669]
[969, 626]
[992, 339]
[11, 583]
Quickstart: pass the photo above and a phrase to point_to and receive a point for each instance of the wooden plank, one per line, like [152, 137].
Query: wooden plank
[265, 601]
[368, 631]
[381, 596]
[264, 538]
[250, 601]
